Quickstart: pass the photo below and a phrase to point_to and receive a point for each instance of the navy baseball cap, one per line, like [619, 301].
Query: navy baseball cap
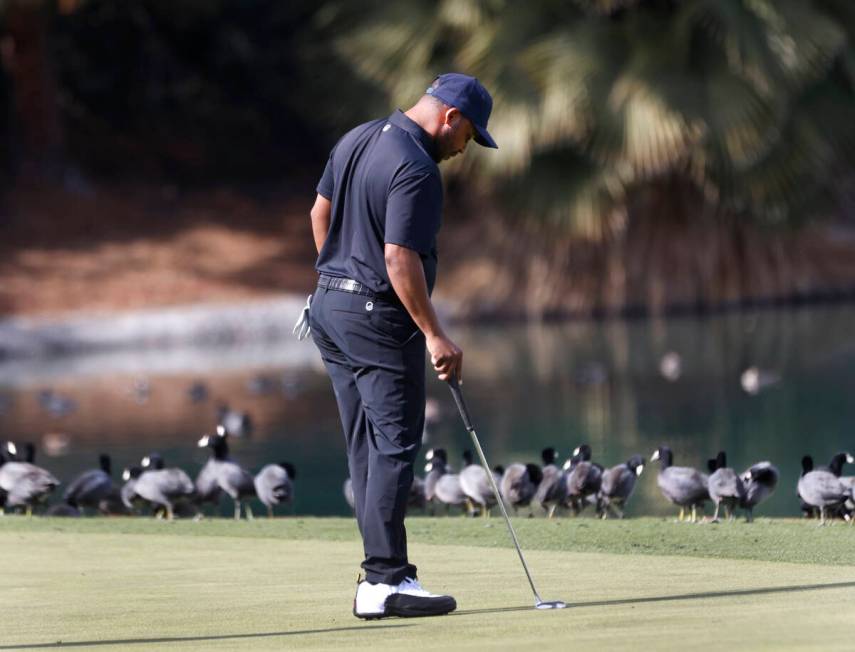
[467, 95]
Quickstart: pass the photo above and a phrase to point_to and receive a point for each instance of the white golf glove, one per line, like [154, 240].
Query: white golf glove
[301, 328]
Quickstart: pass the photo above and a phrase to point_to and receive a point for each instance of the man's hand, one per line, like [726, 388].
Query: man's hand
[446, 357]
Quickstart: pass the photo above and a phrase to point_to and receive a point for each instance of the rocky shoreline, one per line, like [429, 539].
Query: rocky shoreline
[199, 337]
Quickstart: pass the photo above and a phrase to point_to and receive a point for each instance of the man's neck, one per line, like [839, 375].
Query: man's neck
[425, 118]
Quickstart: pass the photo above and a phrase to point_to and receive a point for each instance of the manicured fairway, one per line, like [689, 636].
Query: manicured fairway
[139, 584]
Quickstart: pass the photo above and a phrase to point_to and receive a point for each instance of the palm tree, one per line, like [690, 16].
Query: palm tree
[624, 123]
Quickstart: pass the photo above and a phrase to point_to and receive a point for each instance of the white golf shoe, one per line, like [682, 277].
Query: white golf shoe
[406, 600]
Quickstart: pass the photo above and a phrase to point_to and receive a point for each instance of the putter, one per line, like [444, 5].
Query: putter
[539, 603]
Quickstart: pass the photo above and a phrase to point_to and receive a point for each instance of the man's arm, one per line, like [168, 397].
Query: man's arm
[408, 280]
[320, 220]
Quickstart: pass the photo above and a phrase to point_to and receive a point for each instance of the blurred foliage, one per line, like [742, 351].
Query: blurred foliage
[198, 89]
[747, 101]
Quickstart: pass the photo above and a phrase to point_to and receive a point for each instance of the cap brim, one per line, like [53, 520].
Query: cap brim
[483, 137]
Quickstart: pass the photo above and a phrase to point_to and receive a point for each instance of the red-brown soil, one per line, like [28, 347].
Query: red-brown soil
[123, 248]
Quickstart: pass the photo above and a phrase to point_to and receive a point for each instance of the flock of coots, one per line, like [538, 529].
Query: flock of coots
[547, 488]
[149, 486]
[581, 483]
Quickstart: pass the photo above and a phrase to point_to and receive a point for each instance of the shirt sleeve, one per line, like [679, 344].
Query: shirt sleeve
[326, 185]
[414, 211]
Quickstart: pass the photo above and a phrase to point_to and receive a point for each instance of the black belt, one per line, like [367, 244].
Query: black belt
[344, 284]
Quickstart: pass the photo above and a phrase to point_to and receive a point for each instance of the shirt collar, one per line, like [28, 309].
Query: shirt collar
[399, 119]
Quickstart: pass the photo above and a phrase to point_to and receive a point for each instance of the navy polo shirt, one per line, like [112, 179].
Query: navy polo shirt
[384, 186]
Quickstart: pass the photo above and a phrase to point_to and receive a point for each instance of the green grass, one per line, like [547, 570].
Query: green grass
[141, 584]
[791, 540]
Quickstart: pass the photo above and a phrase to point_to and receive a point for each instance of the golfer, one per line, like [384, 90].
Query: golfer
[375, 222]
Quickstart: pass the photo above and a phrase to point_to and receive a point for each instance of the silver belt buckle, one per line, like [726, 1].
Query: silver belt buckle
[349, 285]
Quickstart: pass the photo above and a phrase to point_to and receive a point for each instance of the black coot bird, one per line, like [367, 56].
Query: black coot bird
[682, 485]
[448, 490]
[441, 485]
[552, 490]
[90, 488]
[230, 477]
[618, 484]
[166, 488]
[822, 489]
[171, 487]
[519, 484]
[725, 487]
[23, 484]
[759, 481]
[274, 485]
[583, 479]
[475, 483]
[835, 466]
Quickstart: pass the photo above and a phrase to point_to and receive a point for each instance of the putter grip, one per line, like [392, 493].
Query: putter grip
[461, 406]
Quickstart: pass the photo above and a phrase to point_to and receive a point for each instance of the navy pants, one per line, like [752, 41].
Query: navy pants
[375, 356]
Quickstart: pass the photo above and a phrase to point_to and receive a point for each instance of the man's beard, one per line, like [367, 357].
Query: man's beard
[444, 146]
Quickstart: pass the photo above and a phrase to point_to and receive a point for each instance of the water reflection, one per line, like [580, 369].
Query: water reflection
[622, 387]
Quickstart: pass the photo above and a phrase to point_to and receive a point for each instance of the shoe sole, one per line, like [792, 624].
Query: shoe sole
[406, 606]
[409, 606]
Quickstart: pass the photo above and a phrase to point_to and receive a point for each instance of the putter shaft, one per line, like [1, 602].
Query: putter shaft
[467, 422]
[501, 503]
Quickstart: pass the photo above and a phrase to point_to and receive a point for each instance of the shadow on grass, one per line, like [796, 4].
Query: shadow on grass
[671, 598]
[187, 639]
[464, 612]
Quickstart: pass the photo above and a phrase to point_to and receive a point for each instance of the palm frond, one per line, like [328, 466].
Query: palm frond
[595, 97]
[567, 191]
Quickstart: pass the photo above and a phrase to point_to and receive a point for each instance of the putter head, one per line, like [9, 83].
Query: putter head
[549, 604]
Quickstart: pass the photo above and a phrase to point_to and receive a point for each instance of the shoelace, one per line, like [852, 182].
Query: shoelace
[414, 586]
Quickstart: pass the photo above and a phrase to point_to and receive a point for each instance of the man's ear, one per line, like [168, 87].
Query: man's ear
[451, 116]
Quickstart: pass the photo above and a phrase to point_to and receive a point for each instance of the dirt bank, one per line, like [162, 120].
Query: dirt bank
[123, 248]
[80, 248]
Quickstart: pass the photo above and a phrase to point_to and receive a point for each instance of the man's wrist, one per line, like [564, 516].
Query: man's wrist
[433, 332]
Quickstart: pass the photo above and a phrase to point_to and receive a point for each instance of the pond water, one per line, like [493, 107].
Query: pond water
[623, 387]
